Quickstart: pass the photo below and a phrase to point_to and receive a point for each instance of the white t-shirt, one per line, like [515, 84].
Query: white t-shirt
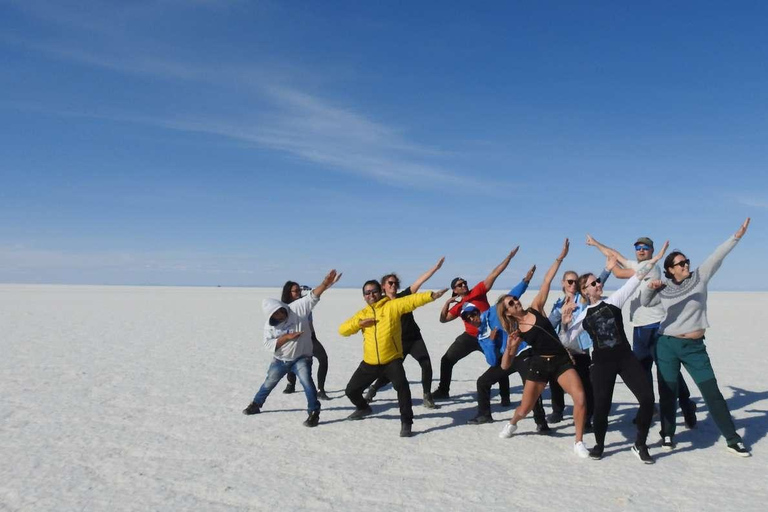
[638, 314]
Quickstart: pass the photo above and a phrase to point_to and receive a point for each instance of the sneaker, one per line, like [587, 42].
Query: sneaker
[554, 417]
[360, 413]
[252, 409]
[543, 428]
[440, 394]
[580, 450]
[322, 395]
[405, 430]
[313, 419]
[689, 415]
[668, 442]
[507, 431]
[506, 402]
[428, 402]
[290, 388]
[596, 452]
[641, 452]
[480, 419]
[739, 449]
[369, 394]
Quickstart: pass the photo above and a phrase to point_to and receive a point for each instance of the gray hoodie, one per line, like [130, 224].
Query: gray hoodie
[298, 320]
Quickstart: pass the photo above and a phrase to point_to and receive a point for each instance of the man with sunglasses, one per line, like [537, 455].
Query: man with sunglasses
[467, 343]
[382, 348]
[646, 320]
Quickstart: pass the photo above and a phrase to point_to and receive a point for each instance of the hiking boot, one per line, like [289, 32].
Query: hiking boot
[369, 394]
[440, 394]
[641, 452]
[322, 395]
[252, 409]
[480, 419]
[507, 431]
[360, 413]
[739, 449]
[543, 428]
[596, 452]
[554, 417]
[580, 449]
[428, 402]
[689, 415]
[290, 388]
[313, 419]
[405, 430]
[668, 442]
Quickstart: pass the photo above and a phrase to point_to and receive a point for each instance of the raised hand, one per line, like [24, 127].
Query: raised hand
[660, 254]
[436, 295]
[440, 263]
[742, 229]
[514, 251]
[529, 275]
[567, 310]
[655, 284]
[564, 252]
[610, 262]
[591, 241]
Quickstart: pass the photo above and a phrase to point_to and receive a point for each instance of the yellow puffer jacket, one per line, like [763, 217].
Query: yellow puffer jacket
[382, 342]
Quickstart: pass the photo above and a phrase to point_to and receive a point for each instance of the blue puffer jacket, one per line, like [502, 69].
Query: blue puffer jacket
[493, 348]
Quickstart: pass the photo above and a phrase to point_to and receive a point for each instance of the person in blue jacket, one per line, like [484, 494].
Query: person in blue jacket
[493, 341]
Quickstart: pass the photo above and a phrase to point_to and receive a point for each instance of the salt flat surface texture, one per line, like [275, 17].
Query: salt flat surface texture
[129, 398]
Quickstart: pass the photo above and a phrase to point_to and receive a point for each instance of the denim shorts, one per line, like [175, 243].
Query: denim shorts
[547, 368]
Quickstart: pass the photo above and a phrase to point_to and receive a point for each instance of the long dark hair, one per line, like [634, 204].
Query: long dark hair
[286, 296]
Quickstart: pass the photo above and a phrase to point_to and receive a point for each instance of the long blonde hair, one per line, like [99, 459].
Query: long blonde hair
[508, 323]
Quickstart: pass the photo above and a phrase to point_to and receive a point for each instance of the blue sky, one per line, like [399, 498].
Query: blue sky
[244, 142]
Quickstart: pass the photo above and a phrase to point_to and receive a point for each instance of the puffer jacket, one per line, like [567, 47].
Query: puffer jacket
[382, 342]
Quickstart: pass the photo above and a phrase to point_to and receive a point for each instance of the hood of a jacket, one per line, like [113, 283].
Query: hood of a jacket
[270, 306]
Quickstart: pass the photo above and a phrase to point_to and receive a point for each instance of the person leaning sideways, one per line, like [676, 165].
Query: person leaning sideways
[382, 348]
[288, 336]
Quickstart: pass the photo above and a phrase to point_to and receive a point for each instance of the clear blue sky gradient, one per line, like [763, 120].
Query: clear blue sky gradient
[245, 143]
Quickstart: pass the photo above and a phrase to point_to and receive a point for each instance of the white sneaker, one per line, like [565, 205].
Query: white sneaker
[508, 430]
[580, 450]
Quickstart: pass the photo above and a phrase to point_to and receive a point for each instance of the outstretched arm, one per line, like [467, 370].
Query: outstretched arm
[713, 262]
[607, 251]
[620, 296]
[331, 279]
[541, 297]
[495, 273]
[426, 275]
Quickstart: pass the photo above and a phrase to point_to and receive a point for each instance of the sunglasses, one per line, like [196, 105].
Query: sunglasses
[682, 263]
[371, 291]
[593, 283]
[570, 281]
[471, 314]
[459, 285]
[393, 283]
[643, 248]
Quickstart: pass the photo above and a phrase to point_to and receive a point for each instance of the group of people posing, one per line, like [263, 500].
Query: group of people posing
[580, 347]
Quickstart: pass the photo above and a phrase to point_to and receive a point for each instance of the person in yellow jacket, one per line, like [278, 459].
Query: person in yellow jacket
[382, 348]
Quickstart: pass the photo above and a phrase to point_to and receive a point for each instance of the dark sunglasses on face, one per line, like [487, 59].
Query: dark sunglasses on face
[593, 283]
[682, 263]
[371, 291]
[643, 248]
[393, 283]
[459, 285]
[570, 281]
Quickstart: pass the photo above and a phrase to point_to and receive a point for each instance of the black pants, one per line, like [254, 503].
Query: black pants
[367, 373]
[319, 353]
[464, 345]
[418, 350]
[493, 375]
[604, 378]
[582, 363]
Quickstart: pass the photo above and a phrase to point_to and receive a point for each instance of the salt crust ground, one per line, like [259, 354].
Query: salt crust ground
[129, 398]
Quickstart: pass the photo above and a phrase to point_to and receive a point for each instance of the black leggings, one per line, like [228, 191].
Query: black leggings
[494, 374]
[604, 378]
[319, 353]
[464, 345]
[418, 350]
[367, 373]
[582, 363]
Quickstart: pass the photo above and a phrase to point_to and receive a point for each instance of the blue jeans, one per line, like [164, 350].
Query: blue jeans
[302, 367]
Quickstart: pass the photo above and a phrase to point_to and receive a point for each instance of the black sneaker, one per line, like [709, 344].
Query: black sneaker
[369, 394]
[322, 395]
[596, 452]
[689, 415]
[543, 428]
[554, 417]
[290, 388]
[360, 413]
[739, 449]
[428, 402]
[668, 442]
[405, 430]
[252, 409]
[480, 419]
[440, 394]
[641, 452]
[313, 419]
